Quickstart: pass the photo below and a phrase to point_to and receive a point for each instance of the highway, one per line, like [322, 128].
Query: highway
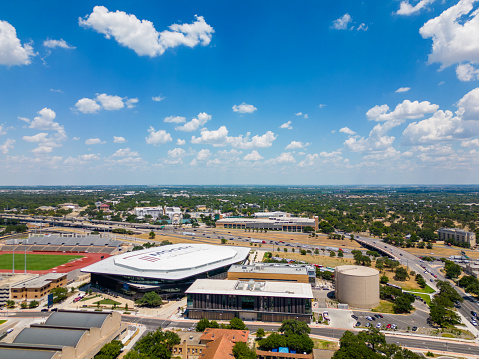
[415, 263]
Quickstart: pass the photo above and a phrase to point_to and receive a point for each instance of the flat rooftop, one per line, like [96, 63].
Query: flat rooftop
[8, 280]
[39, 281]
[274, 220]
[251, 288]
[269, 269]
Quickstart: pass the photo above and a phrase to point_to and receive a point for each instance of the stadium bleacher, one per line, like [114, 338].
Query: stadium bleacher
[56, 243]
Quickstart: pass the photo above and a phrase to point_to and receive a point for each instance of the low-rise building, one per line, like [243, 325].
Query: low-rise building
[273, 272]
[266, 301]
[457, 235]
[66, 334]
[287, 224]
[214, 343]
[37, 288]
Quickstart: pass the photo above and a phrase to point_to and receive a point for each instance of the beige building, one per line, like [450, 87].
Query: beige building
[37, 288]
[357, 286]
[66, 334]
[276, 272]
[458, 235]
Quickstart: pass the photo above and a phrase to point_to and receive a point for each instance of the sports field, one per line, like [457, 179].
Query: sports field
[35, 261]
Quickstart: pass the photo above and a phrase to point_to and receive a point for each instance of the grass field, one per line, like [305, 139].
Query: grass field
[107, 302]
[384, 307]
[35, 261]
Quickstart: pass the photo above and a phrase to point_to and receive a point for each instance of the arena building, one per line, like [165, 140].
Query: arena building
[357, 286]
[167, 270]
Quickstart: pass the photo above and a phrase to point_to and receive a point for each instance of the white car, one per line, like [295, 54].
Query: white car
[378, 325]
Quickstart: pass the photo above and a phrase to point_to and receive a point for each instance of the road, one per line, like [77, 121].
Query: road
[415, 263]
[410, 342]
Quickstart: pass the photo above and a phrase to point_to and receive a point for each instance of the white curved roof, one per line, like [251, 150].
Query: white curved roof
[174, 261]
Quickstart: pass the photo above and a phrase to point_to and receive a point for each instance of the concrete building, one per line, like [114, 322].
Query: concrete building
[458, 235]
[37, 288]
[249, 300]
[287, 224]
[66, 334]
[168, 270]
[472, 269]
[273, 272]
[357, 286]
[174, 213]
[29, 287]
[277, 214]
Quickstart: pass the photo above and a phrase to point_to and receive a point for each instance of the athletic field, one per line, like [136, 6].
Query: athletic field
[35, 261]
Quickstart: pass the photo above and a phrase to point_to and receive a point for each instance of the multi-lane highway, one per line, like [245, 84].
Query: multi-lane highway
[415, 263]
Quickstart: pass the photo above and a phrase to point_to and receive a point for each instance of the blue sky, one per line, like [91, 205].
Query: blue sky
[246, 92]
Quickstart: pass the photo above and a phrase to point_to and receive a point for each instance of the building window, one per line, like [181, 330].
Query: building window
[247, 303]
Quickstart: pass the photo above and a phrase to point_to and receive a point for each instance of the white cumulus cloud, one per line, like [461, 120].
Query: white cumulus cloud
[296, 144]
[253, 156]
[195, 123]
[203, 155]
[118, 139]
[256, 141]
[104, 101]
[287, 125]
[176, 153]
[94, 141]
[285, 157]
[141, 35]
[467, 72]
[347, 131]
[175, 119]
[53, 44]
[244, 108]
[180, 142]
[159, 137]
[404, 110]
[216, 137]
[405, 8]
[12, 52]
[454, 35]
[158, 98]
[342, 23]
[7, 146]
[403, 89]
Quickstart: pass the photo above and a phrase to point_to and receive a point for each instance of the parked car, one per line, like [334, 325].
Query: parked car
[388, 326]
[358, 324]
[378, 325]
[369, 318]
[355, 317]
[414, 329]
[368, 325]
[474, 313]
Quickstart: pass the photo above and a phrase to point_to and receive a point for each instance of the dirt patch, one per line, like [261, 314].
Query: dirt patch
[316, 259]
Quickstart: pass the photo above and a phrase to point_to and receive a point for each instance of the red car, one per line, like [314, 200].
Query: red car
[388, 326]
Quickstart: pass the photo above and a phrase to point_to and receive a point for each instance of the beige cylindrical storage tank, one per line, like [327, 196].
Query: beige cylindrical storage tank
[357, 286]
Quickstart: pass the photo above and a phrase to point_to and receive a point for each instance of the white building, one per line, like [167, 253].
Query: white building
[154, 212]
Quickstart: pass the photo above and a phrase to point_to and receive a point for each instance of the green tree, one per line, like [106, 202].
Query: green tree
[402, 304]
[242, 351]
[33, 304]
[293, 326]
[205, 323]
[453, 270]
[152, 235]
[379, 264]
[224, 240]
[59, 294]
[260, 333]
[110, 350]
[10, 303]
[332, 254]
[156, 344]
[23, 305]
[150, 299]
[401, 274]
[237, 323]
[384, 279]
[340, 254]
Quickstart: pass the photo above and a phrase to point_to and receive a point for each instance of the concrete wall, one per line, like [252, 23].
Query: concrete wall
[357, 290]
[299, 278]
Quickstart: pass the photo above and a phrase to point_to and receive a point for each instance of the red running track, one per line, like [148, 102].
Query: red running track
[88, 259]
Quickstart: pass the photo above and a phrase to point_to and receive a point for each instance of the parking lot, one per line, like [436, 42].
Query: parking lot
[402, 321]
